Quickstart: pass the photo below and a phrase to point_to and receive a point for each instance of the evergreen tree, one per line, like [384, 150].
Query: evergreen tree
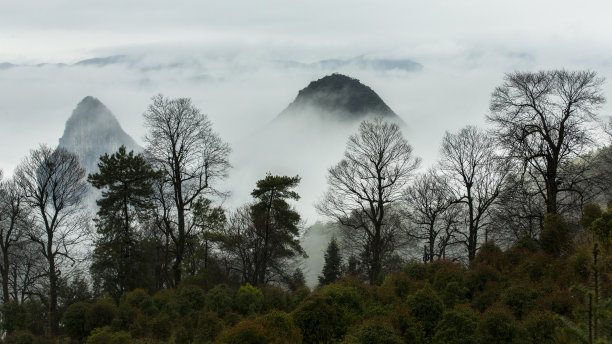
[276, 224]
[126, 182]
[332, 269]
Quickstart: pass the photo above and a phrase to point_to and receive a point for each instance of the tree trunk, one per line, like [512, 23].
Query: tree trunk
[53, 319]
[376, 265]
[5, 275]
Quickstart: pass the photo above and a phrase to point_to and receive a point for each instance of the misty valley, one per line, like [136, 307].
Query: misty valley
[323, 225]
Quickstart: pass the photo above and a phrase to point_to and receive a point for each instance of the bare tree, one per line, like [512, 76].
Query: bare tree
[53, 183]
[13, 214]
[519, 210]
[544, 119]
[476, 174]
[182, 144]
[428, 206]
[364, 185]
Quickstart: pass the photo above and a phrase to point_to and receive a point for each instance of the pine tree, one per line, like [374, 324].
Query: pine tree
[332, 269]
[126, 182]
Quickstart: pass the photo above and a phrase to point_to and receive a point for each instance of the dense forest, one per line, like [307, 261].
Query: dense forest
[507, 239]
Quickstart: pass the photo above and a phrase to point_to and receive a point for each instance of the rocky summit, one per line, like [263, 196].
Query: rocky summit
[92, 130]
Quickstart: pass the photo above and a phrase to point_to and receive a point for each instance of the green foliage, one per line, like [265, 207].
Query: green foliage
[249, 300]
[400, 283]
[104, 335]
[427, 307]
[332, 268]
[416, 270]
[276, 298]
[74, 320]
[373, 331]
[298, 296]
[276, 221]
[526, 242]
[489, 254]
[295, 280]
[541, 328]
[161, 327]
[520, 299]
[457, 326]
[100, 314]
[126, 181]
[20, 337]
[449, 283]
[15, 317]
[602, 228]
[320, 321]
[580, 263]
[590, 212]
[555, 236]
[208, 327]
[498, 326]
[282, 326]
[246, 332]
[189, 299]
[220, 299]
[411, 329]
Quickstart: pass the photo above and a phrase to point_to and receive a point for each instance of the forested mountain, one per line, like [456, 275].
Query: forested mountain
[92, 130]
[337, 97]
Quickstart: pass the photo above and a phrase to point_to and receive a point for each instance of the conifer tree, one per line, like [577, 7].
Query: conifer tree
[126, 182]
[332, 269]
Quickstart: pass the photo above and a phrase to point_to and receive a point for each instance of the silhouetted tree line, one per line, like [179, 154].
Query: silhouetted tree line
[169, 264]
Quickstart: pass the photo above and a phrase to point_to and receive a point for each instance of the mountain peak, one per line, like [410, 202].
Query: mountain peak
[92, 130]
[340, 97]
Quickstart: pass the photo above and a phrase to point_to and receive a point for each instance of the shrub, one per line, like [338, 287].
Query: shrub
[489, 254]
[457, 326]
[274, 298]
[416, 270]
[220, 299]
[400, 283]
[526, 243]
[104, 335]
[249, 300]
[497, 326]
[555, 236]
[100, 314]
[520, 299]
[282, 326]
[580, 263]
[245, 332]
[427, 308]
[74, 320]
[541, 327]
[20, 337]
[209, 326]
[15, 317]
[161, 327]
[410, 329]
[297, 296]
[135, 298]
[190, 298]
[373, 331]
[590, 213]
[319, 320]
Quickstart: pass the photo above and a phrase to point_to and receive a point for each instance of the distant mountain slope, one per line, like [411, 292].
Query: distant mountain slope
[338, 97]
[92, 130]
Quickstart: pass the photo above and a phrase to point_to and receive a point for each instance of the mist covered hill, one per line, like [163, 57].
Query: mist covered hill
[92, 130]
[337, 97]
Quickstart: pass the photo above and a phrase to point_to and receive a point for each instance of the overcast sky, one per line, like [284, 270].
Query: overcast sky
[231, 58]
